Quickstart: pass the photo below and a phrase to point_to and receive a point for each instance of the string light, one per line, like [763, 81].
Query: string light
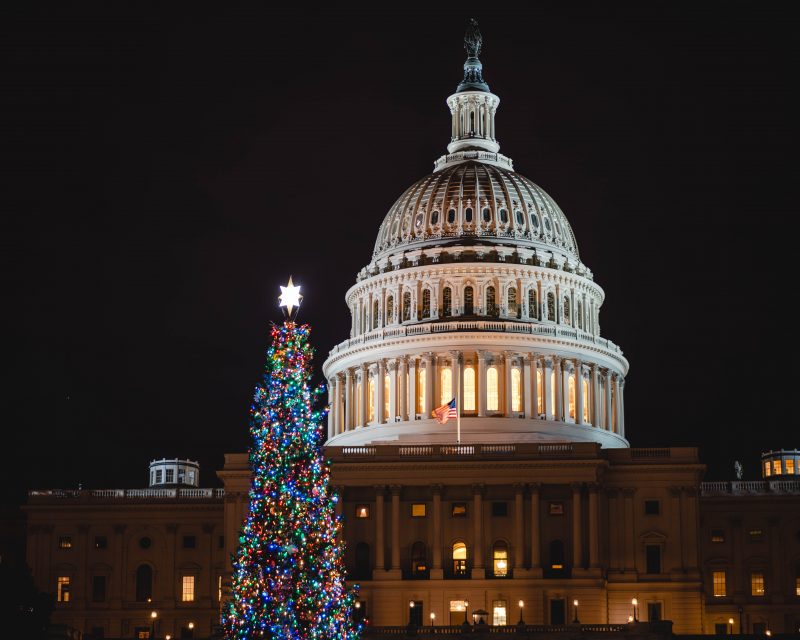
[288, 572]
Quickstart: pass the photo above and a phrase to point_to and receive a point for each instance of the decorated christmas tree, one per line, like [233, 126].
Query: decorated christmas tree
[288, 572]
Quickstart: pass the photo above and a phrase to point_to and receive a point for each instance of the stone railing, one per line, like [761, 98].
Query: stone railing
[176, 493]
[640, 630]
[454, 326]
[750, 488]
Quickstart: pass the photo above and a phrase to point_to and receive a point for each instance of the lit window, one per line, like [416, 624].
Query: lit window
[797, 586]
[421, 391]
[767, 470]
[717, 535]
[500, 560]
[362, 511]
[386, 392]
[418, 510]
[65, 542]
[757, 584]
[553, 391]
[371, 400]
[469, 389]
[516, 390]
[499, 612]
[459, 559]
[756, 535]
[459, 510]
[789, 462]
[187, 589]
[718, 583]
[219, 588]
[539, 392]
[446, 384]
[571, 384]
[62, 589]
[776, 467]
[492, 391]
[585, 400]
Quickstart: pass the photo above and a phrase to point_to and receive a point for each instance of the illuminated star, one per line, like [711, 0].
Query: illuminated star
[290, 297]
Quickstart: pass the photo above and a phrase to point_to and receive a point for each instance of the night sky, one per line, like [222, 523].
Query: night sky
[166, 168]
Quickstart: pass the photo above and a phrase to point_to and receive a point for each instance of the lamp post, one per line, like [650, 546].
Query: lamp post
[630, 619]
[153, 616]
[521, 607]
[575, 604]
[466, 607]
[741, 626]
[635, 603]
[730, 624]
[191, 629]
[433, 618]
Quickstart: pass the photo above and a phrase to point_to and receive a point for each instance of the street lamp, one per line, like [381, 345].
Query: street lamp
[466, 607]
[741, 626]
[575, 604]
[153, 616]
[433, 618]
[521, 607]
[730, 622]
[168, 637]
[635, 603]
[630, 619]
[410, 612]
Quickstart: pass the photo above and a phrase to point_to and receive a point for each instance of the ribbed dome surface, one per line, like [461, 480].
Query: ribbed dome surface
[474, 203]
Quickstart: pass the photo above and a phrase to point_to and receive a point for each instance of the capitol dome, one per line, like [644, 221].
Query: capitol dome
[475, 295]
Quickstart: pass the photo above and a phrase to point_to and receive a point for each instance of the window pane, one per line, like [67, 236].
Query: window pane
[386, 389]
[187, 592]
[371, 400]
[492, 391]
[500, 560]
[720, 588]
[499, 612]
[757, 584]
[421, 391]
[516, 390]
[418, 510]
[539, 392]
[653, 558]
[469, 389]
[362, 511]
[446, 383]
[62, 590]
[572, 396]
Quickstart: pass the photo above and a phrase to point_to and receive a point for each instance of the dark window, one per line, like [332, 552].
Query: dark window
[520, 218]
[721, 629]
[652, 507]
[447, 299]
[415, 613]
[459, 510]
[551, 307]
[534, 222]
[406, 306]
[487, 214]
[491, 301]
[759, 628]
[159, 475]
[98, 633]
[189, 542]
[503, 216]
[653, 552]
[100, 542]
[426, 303]
[499, 509]
[533, 304]
[556, 554]
[144, 583]
[362, 561]
[145, 542]
[170, 476]
[221, 542]
[756, 535]
[451, 216]
[435, 217]
[558, 611]
[717, 535]
[469, 305]
[98, 589]
[468, 214]
[419, 559]
[653, 611]
[187, 633]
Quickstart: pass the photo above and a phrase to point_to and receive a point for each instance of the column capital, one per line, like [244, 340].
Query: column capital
[478, 489]
[393, 365]
[120, 528]
[395, 489]
[548, 362]
[380, 489]
[482, 355]
[348, 374]
[594, 487]
[675, 492]
[519, 487]
[629, 492]
[576, 487]
[207, 527]
[534, 487]
[436, 489]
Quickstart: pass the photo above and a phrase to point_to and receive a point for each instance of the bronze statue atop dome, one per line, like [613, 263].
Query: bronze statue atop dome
[473, 39]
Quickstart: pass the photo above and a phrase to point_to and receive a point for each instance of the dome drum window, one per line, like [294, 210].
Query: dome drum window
[451, 216]
[468, 215]
[519, 218]
[435, 218]
[418, 222]
[503, 216]
[486, 215]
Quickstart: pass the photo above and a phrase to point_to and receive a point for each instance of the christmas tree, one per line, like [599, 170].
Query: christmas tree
[288, 572]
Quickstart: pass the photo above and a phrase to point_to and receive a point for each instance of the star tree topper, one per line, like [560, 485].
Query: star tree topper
[290, 298]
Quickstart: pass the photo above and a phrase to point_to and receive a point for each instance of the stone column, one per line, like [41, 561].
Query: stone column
[349, 402]
[403, 388]
[412, 388]
[609, 426]
[676, 535]
[436, 571]
[478, 570]
[364, 395]
[558, 381]
[380, 400]
[629, 556]
[566, 368]
[380, 547]
[430, 374]
[577, 541]
[171, 568]
[392, 390]
[614, 530]
[535, 390]
[528, 406]
[595, 406]
[621, 408]
[458, 379]
[481, 383]
[395, 554]
[507, 360]
[536, 545]
[519, 527]
[549, 409]
[370, 321]
[579, 399]
[117, 588]
[594, 528]
[331, 408]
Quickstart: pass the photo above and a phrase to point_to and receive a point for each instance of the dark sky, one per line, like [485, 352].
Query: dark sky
[165, 168]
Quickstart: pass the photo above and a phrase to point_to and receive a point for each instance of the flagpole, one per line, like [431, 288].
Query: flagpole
[458, 413]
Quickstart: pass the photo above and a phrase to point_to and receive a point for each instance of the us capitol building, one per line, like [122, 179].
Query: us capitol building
[535, 509]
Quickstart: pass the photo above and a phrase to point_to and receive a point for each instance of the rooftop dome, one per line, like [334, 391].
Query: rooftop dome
[473, 202]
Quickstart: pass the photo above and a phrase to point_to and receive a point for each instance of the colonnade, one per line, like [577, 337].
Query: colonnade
[486, 383]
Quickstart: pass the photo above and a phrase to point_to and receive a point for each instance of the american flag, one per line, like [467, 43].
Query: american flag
[445, 412]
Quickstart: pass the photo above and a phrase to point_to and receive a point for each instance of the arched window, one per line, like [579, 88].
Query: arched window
[386, 390]
[556, 555]
[571, 383]
[421, 390]
[362, 561]
[492, 390]
[426, 303]
[419, 559]
[447, 302]
[585, 383]
[491, 301]
[435, 217]
[539, 392]
[487, 215]
[469, 389]
[144, 583]
[406, 306]
[504, 216]
[551, 306]
[469, 305]
[389, 310]
[512, 301]
[459, 559]
[500, 559]
[579, 319]
[446, 385]
[471, 123]
[468, 215]
[451, 216]
[371, 400]
[533, 304]
[516, 389]
[567, 319]
[375, 314]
